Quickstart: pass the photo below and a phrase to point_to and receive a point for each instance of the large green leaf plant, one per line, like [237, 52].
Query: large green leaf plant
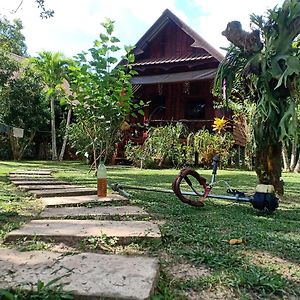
[265, 65]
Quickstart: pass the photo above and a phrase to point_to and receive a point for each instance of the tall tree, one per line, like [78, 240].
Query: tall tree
[67, 101]
[103, 93]
[53, 69]
[22, 105]
[8, 67]
[266, 60]
[11, 37]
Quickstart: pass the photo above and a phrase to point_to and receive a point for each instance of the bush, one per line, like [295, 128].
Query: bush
[206, 145]
[5, 151]
[163, 147]
[170, 146]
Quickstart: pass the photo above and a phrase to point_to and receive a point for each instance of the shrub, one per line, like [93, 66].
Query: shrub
[206, 145]
[166, 146]
[163, 147]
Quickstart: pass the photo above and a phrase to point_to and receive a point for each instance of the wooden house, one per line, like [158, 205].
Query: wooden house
[176, 69]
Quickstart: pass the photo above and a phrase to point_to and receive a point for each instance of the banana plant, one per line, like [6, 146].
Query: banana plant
[266, 64]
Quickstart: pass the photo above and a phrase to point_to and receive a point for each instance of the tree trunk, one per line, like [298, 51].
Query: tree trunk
[293, 155]
[14, 146]
[297, 167]
[95, 157]
[285, 158]
[161, 161]
[26, 145]
[18, 147]
[64, 144]
[53, 129]
[268, 166]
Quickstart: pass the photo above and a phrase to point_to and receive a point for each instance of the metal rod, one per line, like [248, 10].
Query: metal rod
[233, 198]
[117, 187]
[120, 189]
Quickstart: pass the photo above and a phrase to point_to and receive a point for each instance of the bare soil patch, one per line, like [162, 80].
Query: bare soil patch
[185, 271]
[288, 269]
[219, 294]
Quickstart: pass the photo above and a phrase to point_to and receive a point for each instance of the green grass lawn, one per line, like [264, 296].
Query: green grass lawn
[197, 262]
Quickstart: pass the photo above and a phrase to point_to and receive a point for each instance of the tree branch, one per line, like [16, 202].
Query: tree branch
[20, 4]
[44, 14]
[248, 41]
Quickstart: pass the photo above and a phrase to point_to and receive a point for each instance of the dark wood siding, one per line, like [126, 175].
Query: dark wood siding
[171, 41]
[172, 102]
[175, 100]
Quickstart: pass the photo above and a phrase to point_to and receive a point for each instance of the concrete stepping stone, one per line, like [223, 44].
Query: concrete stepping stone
[82, 200]
[87, 275]
[70, 231]
[31, 172]
[106, 211]
[27, 187]
[52, 181]
[64, 192]
[30, 177]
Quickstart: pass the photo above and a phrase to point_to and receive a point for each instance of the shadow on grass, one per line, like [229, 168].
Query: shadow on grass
[244, 278]
[4, 179]
[220, 220]
[201, 235]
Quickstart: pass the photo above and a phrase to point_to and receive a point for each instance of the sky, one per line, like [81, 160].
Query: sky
[76, 23]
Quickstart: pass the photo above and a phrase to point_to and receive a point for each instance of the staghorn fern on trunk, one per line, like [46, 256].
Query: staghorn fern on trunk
[267, 62]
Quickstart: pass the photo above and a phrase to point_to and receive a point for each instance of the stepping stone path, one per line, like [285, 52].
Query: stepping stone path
[73, 213]
[87, 275]
[28, 187]
[108, 211]
[77, 230]
[111, 199]
[75, 191]
[35, 182]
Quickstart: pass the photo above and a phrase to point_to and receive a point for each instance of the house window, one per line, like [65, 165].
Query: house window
[195, 109]
[157, 107]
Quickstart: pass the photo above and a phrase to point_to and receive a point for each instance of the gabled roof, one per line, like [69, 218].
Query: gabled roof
[174, 59]
[161, 22]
